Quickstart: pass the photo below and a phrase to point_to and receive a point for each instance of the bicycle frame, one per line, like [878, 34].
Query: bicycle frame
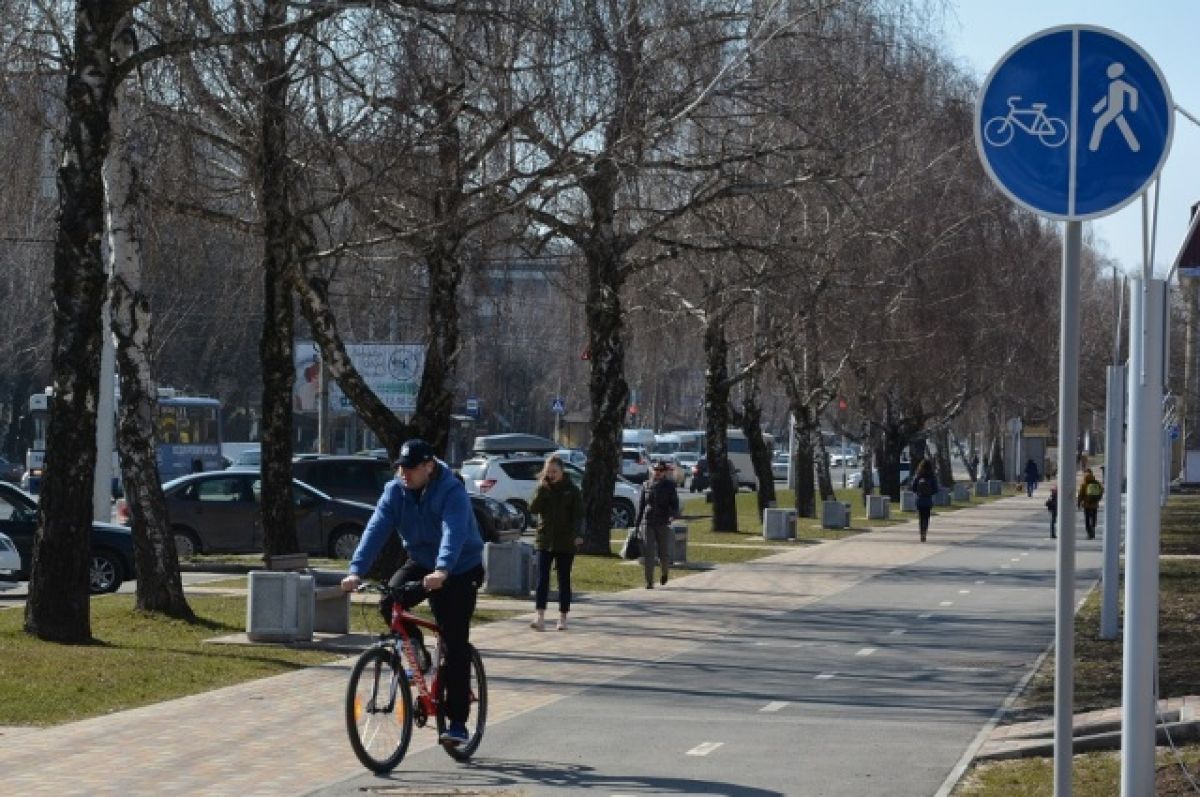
[426, 692]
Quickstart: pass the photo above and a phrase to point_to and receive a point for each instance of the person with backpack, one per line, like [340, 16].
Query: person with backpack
[925, 485]
[1090, 493]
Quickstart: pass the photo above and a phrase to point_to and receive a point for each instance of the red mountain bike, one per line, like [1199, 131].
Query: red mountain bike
[380, 707]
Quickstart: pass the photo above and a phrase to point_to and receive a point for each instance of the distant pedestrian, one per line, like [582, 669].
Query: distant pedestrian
[659, 506]
[925, 485]
[1052, 505]
[1090, 493]
[1032, 477]
[559, 507]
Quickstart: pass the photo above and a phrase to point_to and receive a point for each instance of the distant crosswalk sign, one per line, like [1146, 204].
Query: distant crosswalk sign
[558, 407]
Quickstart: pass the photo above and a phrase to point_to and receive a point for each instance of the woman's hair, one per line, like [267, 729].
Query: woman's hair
[553, 459]
[924, 468]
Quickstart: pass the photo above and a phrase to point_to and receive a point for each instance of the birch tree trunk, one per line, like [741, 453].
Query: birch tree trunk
[58, 608]
[279, 249]
[159, 587]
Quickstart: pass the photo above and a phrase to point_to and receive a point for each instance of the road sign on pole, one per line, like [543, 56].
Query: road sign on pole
[558, 406]
[1074, 122]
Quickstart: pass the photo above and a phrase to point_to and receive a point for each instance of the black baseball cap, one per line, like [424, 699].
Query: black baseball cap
[413, 453]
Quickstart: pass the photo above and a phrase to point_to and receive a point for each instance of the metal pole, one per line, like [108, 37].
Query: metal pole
[1068, 428]
[1114, 477]
[1141, 550]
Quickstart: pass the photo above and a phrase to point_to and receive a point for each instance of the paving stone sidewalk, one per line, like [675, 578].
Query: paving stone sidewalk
[285, 735]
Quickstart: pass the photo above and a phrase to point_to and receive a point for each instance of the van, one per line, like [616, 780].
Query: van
[640, 438]
[739, 457]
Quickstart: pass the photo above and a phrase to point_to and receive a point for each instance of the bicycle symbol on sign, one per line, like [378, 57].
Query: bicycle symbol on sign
[1051, 130]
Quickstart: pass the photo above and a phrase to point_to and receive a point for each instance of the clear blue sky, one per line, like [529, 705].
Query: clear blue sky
[979, 32]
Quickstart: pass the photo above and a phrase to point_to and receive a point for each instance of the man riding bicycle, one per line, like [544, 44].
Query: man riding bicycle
[428, 507]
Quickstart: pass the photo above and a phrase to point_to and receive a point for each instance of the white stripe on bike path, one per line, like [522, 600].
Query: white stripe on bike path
[705, 748]
[774, 705]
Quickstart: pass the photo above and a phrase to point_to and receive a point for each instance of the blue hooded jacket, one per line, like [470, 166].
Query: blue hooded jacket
[437, 528]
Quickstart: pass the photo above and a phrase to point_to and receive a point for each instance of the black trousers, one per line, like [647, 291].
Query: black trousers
[453, 606]
[1089, 520]
[562, 563]
[923, 513]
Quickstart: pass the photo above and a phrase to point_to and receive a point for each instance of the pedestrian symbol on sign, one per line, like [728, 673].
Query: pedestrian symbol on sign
[1114, 108]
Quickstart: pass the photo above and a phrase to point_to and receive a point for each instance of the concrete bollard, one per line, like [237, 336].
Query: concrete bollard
[908, 501]
[879, 507]
[834, 515]
[962, 492]
[981, 489]
[995, 487]
[942, 497]
[779, 524]
[679, 546]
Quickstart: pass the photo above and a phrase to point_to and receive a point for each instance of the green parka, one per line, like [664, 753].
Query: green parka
[560, 510]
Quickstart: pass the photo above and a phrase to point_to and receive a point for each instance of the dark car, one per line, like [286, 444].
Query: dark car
[700, 479]
[362, 478]
[219, 512]
[112, 546]
[10, 471]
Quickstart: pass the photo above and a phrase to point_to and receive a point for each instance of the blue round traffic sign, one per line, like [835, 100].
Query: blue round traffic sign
[1074, 122]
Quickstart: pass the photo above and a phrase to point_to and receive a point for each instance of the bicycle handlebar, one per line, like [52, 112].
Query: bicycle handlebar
[408, 593]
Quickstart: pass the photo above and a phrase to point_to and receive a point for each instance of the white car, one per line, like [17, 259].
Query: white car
[779, 466]
[635, 463]
[514, 478]
[10, 563]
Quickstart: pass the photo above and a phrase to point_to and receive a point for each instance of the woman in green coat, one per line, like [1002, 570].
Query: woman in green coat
[559, 506]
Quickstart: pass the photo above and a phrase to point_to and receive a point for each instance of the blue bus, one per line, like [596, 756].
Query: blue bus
[187, 430]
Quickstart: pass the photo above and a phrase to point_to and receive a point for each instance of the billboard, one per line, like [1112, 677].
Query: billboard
[391, 370]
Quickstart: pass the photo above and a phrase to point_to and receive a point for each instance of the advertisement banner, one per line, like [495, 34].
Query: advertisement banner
[391, 370]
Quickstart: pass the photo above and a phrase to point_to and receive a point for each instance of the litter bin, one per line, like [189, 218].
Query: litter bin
[679, 544]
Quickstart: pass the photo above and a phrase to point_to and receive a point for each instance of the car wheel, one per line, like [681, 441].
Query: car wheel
[105, 572]
[343, 542]
[623, 514]
[521, 505]
[187, 544]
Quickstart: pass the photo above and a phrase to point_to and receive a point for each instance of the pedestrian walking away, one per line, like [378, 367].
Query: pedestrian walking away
[428, 508]
[1032, 477]
[925, 485]
[559, 506]
[1088, 499]
[659, 505]
[1052, 506]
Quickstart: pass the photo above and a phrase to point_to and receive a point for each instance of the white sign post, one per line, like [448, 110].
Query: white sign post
[1073, 123]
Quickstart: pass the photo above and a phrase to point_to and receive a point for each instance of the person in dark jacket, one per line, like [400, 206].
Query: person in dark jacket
[558, 504]
[925, 485]
[659, 506]
[1032, 477]
[1052, 505]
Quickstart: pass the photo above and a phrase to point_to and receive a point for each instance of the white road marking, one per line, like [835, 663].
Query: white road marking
[898, 632]
[981, 581]
[825, 676]
[946, 603]
[705, 748]
[925, 616]
[774, 705]
[1006, 567]
[1015, 559]
[964, 592]
[865, 652]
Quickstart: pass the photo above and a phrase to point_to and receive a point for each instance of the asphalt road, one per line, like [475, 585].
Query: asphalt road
[879, 689]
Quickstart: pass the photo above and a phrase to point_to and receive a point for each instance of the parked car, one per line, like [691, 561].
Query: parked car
[362, 478]
[700, 479]
[779, 465]
[854, 478]
[10, 471]
[635, 464]
[573, 456]
[512, 479]
[218, 512]
[843, 457]
[10, 563]
[111, 545]
[685, 463]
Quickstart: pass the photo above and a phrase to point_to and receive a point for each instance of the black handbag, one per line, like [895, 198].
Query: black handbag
[632, 548]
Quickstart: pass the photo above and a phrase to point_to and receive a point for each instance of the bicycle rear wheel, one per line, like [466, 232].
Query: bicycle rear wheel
[478, 717]
[379, 715]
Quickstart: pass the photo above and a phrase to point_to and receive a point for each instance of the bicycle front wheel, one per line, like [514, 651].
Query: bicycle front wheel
[998, 131]
[478, 716]
[379, 715]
